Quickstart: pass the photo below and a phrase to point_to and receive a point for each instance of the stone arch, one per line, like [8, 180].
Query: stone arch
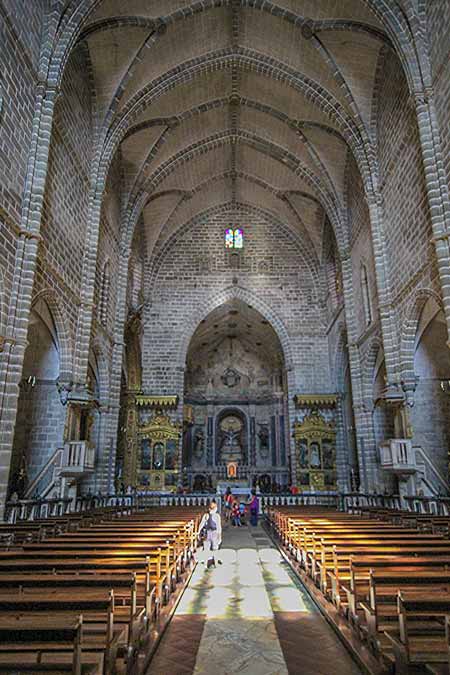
[236, 293]
[62, 331]
[409, 330]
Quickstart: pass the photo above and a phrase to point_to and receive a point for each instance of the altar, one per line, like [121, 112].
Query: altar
[239, 488]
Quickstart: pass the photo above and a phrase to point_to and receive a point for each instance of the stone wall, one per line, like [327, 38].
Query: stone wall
[194, 269]
[438, 14]
[407, 223]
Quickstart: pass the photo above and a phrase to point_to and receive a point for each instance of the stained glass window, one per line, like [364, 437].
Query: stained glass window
[229, 238]
[238, 238]
[234, 238]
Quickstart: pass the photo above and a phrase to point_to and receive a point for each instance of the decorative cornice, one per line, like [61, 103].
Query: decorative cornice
[322, 400]
[157, 401]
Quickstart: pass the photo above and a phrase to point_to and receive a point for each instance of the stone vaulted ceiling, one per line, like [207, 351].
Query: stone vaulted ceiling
[236, 100]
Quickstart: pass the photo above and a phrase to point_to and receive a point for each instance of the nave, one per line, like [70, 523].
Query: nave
[92, 593]
[249, 615]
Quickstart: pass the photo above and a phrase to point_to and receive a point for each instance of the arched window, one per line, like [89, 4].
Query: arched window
[104, 293]
[366, 295]
[234, 238]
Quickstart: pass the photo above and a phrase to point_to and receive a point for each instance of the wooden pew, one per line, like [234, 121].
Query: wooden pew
[362, 563]
[40, 644]
[422, 636]
[101, 633]
[382, 609]
[70, 572]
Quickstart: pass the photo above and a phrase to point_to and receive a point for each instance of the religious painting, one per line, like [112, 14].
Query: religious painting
[171, 454]
[328, 453]
[145, 454]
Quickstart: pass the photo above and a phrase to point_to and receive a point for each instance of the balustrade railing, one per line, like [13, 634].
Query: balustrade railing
[35, 509]
[78, 457]
[352, 502]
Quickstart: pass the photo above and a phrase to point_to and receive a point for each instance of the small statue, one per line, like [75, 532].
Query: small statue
[263, 435]
[199, 444]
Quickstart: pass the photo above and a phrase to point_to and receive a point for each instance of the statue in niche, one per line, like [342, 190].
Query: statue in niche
[146, 454]
[199, 444]
[158, 456]
[314, 457]
[230, 439]
[303, 454]
[263, 435]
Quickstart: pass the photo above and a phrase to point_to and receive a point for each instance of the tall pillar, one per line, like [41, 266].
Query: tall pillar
[365, 438]
[437, 191]
[15, 343]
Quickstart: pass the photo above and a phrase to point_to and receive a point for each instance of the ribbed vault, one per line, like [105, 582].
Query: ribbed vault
[236, 100]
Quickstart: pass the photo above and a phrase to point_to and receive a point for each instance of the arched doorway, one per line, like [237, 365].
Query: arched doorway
[235, 387]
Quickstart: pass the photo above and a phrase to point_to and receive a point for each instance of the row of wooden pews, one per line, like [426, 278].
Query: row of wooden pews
[389, 577]
[88, 599]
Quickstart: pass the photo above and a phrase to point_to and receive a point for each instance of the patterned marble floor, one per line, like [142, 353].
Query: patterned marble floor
[249, 615]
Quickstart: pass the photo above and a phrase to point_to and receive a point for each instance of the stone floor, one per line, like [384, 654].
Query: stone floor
[249, 615]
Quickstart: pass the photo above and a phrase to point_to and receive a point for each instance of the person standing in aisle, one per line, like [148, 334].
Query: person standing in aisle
[254, 509]
[211, 524]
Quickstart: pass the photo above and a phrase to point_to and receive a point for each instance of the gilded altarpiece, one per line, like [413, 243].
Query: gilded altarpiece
[152, 457]
[158, 443]
[315, 442]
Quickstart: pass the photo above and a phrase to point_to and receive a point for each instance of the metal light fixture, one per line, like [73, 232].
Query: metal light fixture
[28, 383]
[445, 386]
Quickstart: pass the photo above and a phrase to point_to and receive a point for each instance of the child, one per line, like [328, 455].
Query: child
[242, 510]
[236, 514]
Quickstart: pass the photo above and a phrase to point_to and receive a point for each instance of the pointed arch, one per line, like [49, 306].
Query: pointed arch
[409, 330]
[246, 296]
[64, 337]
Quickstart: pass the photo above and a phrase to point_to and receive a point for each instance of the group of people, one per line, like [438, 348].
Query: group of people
[211, 523]
[236, 511]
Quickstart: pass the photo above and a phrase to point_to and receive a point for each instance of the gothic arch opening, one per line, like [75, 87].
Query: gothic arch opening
[41, 416]
[236, 393]
[430, 413]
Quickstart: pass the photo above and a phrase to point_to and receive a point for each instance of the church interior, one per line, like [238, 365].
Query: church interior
[225, 284]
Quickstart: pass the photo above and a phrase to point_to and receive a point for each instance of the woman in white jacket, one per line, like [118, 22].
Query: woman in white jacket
[212, 524]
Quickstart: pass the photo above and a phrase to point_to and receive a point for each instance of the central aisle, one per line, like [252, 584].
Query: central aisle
[250, 615]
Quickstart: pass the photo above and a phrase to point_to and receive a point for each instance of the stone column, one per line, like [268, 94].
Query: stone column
[106, 468]
[437, 191]
[363, 417]
[388, 326]
[11, 359]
